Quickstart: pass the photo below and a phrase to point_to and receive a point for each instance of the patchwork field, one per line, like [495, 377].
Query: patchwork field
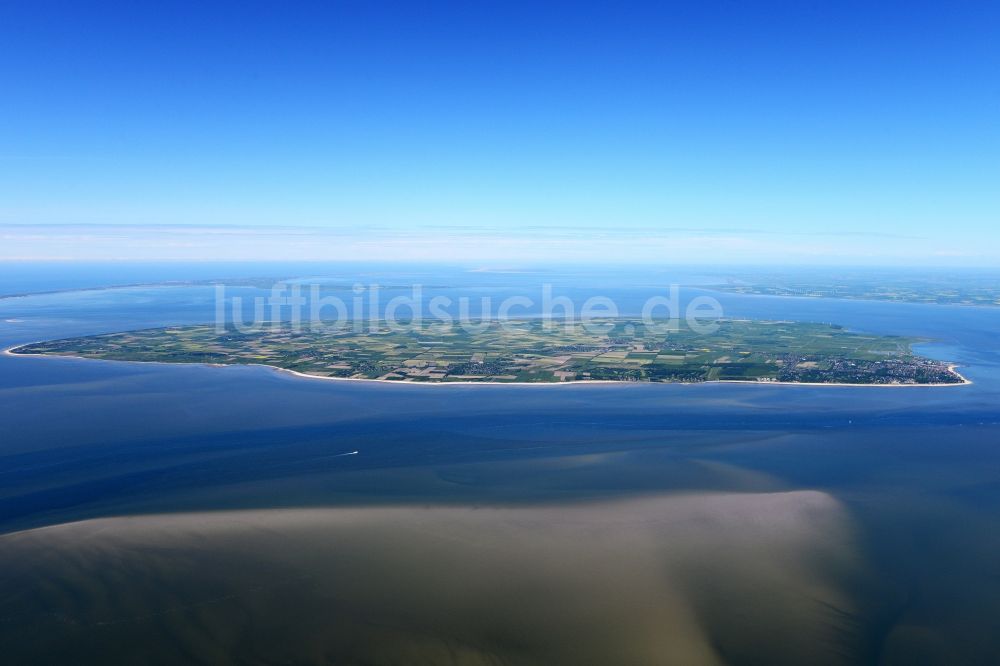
[534, 350]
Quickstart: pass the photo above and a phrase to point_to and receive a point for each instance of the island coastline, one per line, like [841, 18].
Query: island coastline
[965, 381]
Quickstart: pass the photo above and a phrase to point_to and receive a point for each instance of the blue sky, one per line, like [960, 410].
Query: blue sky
[795, 132]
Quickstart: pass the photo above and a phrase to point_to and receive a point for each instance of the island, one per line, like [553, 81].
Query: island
[534, 351]
[961, 288]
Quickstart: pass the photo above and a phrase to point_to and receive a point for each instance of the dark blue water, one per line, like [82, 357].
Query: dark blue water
[120, 434]
[918, 468]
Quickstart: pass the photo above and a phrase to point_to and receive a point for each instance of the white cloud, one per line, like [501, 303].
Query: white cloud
[464, 244]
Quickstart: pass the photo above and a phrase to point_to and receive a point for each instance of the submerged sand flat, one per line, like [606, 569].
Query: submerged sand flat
[668, 579]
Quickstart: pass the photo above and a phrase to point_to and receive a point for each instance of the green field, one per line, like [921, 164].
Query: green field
[535, 351]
